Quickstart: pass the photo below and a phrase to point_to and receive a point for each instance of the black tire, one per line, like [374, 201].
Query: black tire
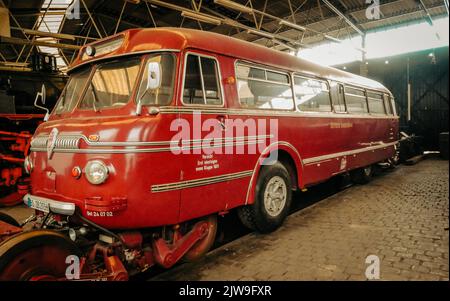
[257, 216]
[362, 175]
[246, 217]
[8, 219]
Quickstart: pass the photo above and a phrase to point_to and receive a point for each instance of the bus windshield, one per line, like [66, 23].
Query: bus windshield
[72, 92]
[112, 84]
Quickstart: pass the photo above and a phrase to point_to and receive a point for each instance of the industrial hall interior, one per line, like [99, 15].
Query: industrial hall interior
[224, 140]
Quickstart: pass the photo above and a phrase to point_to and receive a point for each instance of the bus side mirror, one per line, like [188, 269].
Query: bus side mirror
[153, 82]
[153, 76]
[43, 96]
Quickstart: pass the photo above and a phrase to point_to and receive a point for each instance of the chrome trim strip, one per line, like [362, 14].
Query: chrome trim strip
[148, 150]
[64, 208]
[209, 143]
[41, 140]
[317, 159]
[200, 182]
[270, 113]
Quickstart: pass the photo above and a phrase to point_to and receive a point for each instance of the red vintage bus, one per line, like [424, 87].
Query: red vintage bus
[116, 184]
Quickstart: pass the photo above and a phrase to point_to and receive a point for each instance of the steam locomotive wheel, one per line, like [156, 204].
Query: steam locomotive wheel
[204, 245]
[8, 219]
[35, 256]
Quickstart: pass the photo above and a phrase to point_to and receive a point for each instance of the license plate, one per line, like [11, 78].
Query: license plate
[38, 205]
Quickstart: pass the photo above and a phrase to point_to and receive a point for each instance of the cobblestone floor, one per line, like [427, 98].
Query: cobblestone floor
[401, 217]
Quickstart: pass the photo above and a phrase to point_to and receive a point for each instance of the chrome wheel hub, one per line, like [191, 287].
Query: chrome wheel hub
[275, 196]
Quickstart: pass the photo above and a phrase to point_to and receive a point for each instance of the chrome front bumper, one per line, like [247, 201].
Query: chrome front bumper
[58, 207]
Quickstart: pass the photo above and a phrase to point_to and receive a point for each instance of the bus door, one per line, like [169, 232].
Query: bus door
[205, 166]
[342, 126]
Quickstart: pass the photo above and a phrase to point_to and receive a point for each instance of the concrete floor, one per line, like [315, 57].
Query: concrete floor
[401, 217]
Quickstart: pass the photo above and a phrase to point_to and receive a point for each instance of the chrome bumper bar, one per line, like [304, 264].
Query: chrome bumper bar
[58, 207]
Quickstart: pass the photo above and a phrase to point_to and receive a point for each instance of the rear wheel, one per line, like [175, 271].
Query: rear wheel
[35, 255]
[362, 175]
[272, 200]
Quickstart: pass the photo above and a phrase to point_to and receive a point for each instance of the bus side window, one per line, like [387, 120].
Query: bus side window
[338, 98]
[263, 89]
[387, 104]
[356, 101]
[376, 103]
[312, 95]
[201, 81]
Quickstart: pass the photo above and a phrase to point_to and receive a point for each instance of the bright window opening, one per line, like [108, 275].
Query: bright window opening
[51, 22]
[382, 43]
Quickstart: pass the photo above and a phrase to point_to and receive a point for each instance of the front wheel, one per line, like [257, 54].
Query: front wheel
[272, 200]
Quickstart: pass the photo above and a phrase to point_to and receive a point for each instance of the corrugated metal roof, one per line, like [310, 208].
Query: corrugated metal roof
[315, 15]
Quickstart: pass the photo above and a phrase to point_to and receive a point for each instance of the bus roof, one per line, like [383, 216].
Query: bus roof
[167, 38]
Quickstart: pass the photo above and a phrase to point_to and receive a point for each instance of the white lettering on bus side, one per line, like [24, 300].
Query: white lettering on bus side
[235, 136]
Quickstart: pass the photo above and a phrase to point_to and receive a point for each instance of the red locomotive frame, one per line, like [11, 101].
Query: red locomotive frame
[12, 176]
[155, 206]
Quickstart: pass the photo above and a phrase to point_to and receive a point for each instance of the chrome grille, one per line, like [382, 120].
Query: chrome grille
[62, 142]
[67, 142]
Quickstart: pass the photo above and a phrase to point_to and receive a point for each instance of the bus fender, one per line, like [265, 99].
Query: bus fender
[277, 146]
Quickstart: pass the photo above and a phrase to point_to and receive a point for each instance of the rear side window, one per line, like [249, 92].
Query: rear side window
[263, 89]
[71, 94]
[338, 98]
[312, 95]
[356, 100]
[201, 81]
[376, 103]
[387, 104]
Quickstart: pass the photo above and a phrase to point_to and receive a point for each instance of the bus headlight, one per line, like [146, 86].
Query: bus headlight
[96, 172]
[28, 165]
